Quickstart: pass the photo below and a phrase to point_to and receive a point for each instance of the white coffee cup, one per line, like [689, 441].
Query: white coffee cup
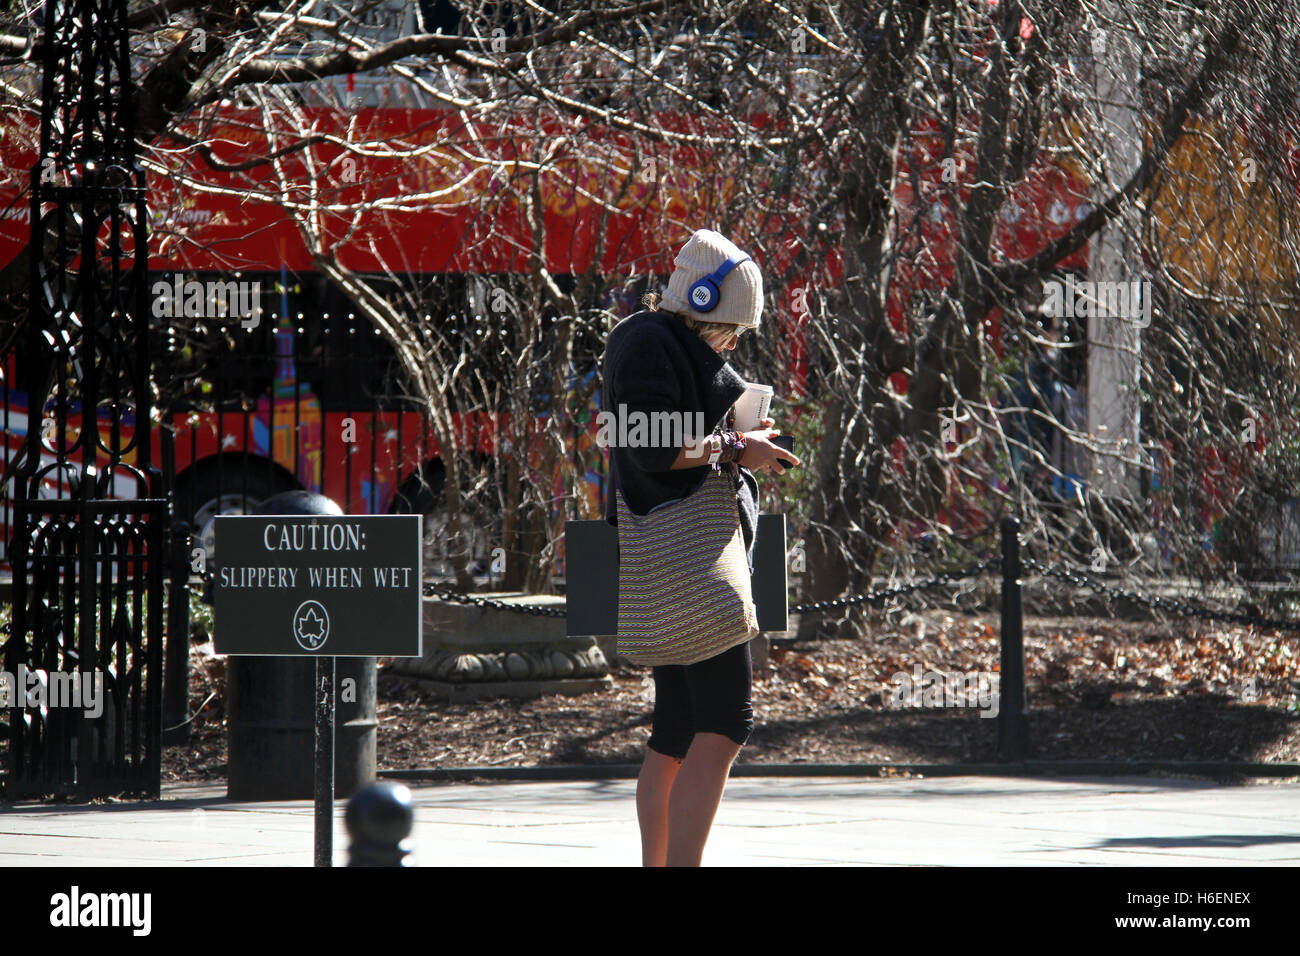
[753, 406]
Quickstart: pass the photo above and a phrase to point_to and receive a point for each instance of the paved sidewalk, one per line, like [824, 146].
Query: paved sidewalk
[763, 821]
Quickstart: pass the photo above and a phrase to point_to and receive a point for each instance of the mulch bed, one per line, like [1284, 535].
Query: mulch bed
[1098, 689]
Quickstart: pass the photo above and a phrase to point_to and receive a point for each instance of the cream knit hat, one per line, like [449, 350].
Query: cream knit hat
[741, 300]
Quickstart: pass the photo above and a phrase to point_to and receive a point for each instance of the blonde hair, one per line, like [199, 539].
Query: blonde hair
[700, 327]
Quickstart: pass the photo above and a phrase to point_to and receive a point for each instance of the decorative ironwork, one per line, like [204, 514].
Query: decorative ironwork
[88, 571]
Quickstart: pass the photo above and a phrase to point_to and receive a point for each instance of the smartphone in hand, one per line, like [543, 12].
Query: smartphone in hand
[786, 442]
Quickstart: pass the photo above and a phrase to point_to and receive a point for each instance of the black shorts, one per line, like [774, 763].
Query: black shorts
[712, 696]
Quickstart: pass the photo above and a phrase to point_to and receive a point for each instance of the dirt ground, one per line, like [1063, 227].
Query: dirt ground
[1098, 689]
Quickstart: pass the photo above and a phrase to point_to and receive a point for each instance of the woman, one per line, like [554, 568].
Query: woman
[671, 358]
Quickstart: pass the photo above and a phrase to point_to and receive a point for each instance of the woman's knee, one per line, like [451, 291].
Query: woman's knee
[659, 752]
[717, 742]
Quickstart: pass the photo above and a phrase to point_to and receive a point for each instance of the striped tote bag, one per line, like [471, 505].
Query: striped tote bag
[684, 590]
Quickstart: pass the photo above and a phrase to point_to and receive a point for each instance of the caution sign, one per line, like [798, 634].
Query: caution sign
[318, 585]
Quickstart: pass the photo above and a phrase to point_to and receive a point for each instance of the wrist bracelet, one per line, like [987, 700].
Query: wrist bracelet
[734, 444]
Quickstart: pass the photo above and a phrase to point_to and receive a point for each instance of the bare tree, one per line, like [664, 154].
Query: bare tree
[970, 112]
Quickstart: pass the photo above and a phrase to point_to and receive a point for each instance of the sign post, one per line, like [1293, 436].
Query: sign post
[322, 586]
[324, 788]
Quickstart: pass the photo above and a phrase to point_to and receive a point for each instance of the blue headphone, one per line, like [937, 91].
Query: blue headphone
[706, 293]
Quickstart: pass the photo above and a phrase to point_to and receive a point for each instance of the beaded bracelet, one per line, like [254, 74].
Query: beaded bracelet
[733, 446]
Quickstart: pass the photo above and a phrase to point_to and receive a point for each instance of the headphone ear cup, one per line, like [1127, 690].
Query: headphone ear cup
[704, 295]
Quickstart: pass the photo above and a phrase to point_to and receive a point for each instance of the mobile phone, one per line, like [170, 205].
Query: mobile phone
[786, 442]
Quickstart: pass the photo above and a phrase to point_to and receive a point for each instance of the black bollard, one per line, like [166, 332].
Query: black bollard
[379, 818]
[1013, 722]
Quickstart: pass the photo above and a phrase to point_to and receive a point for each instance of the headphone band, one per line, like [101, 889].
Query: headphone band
[731, 263]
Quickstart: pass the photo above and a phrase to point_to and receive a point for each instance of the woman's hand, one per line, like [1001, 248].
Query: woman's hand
[760, 454]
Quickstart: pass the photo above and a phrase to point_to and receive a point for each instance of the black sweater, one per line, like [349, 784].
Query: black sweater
[654, 363]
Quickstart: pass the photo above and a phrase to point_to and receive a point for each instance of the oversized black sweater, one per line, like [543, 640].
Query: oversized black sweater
[654, 363]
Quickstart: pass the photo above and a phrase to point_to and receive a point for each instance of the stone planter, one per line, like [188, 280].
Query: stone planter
[471, 653]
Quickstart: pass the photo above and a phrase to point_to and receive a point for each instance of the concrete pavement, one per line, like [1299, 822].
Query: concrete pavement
[763, 821]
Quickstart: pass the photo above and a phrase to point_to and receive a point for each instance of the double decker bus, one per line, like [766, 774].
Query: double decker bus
[311, 395]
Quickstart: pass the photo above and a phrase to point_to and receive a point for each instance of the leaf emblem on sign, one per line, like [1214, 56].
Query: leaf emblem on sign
[311, 625]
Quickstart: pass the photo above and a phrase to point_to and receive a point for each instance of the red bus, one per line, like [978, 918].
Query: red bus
[310, 398]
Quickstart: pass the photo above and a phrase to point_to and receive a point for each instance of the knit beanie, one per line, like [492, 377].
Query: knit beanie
[741, 298]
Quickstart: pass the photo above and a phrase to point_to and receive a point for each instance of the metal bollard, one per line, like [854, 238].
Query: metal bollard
[378, 819]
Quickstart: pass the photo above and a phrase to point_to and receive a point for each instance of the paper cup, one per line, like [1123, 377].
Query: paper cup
[753, 406]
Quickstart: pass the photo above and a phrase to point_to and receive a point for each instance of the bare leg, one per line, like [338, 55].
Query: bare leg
[653, 785]
[695, 796]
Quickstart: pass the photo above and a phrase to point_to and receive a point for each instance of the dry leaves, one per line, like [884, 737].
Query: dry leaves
[1097, 689]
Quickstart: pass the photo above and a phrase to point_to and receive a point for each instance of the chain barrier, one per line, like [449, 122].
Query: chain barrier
[537, 610]
[872, 597]
[1172, 605]
[879, 597]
